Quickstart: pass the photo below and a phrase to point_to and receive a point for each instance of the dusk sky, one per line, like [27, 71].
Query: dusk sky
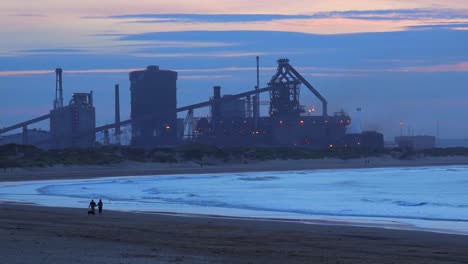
[398, 60]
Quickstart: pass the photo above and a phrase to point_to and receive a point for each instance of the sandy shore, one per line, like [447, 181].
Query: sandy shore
[30, 234]
[138, 169]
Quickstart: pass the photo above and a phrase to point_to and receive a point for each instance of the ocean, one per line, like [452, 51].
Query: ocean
[424, 198]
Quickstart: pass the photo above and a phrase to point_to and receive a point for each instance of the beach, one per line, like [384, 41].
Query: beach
[31, 234]
[39, 234]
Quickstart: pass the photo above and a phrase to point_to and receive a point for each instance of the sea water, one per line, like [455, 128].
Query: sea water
[427, 198]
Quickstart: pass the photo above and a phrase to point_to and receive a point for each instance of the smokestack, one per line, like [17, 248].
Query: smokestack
[217, 92]
[258, 73]
[58, 103]
[256, 99]
[117, 115]
[215, 108]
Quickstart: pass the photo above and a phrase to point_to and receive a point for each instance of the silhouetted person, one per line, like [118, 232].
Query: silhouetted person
[99, 205]
[92, 206]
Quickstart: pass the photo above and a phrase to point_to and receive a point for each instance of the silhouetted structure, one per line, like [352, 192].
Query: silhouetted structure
[366, 139]
[234, 121]
[153, 107]
[74, 125]
[416, 142]
[35, 137]
[286, 125]
[117, 115]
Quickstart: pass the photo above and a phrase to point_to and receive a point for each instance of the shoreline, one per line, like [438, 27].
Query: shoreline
[68, 235]
[386, 223]
[129, 169]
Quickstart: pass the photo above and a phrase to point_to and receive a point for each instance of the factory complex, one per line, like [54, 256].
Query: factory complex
[234, 119]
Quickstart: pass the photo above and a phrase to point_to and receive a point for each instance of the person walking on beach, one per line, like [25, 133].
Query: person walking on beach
[100, 204]
[92, 206]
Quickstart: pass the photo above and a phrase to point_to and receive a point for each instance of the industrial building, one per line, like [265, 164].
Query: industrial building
[234, 119]
[416, 142]
[72, 125]
[153, 107]
[356, 138]
[366, 139]
[287, 124]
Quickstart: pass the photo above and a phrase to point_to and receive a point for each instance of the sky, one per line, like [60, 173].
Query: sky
[397, 60]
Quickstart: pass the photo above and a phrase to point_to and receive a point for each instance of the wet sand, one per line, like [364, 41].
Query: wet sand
[139, 169]
[31, 234]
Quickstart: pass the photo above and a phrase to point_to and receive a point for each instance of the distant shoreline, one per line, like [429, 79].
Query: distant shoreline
[146, 169]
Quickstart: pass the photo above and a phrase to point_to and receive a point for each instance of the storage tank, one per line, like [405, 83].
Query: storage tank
[153, 107]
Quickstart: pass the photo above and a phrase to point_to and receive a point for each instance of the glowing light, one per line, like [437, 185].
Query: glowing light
[168, 127]
[301, 122]
[330, 146]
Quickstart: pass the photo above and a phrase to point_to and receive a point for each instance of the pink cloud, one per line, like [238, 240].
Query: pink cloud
[457, 67]
[26, 72]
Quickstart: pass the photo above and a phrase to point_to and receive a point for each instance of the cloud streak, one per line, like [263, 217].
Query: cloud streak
[312, 71]
[390, 14]
[456, 67]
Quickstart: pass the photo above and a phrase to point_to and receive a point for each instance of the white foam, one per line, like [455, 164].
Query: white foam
[432, 198]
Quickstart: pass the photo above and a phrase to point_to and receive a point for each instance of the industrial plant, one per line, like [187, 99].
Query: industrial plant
[234, 119]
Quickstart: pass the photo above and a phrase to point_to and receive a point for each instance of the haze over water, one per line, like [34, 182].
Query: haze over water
[429, 198]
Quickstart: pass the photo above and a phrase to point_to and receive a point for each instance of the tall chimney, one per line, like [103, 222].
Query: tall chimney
[256, 98]
[58, 103]
[215, 108]
[117, 115]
